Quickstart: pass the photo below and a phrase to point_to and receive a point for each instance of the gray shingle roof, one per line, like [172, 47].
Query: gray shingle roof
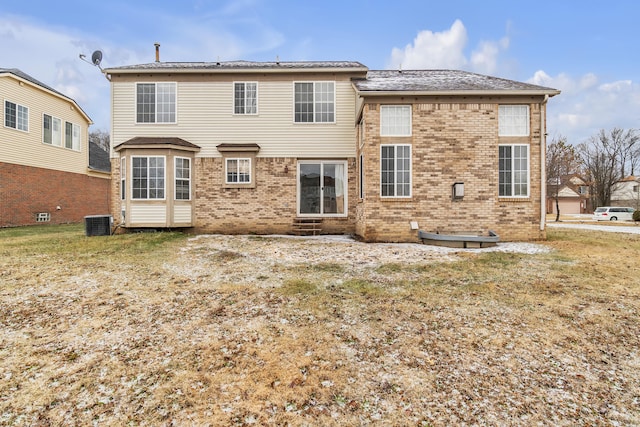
[238, 66]
[441, 81]
[157, 140]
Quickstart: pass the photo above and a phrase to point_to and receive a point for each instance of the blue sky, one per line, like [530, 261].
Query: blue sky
[587, 49]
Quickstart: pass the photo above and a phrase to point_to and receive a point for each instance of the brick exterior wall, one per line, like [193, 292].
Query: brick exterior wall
[450, 142]
[269, 208]
[26, 191]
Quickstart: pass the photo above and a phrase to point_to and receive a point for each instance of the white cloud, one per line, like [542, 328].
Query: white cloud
[433, 50]
[585, 105]
[446, 49]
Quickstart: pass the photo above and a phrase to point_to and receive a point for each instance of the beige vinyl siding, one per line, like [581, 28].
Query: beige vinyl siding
[205, 118]
[148, 214]
[182, 214]
[27, 148]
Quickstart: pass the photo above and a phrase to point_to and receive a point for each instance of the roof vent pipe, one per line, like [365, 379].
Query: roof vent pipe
[157, 45]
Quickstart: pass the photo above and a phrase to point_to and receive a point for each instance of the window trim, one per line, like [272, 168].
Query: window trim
[313, 102]
[395, 184]
[164, 180]
[155, 85]
[175, 178]
[399, 107]
[513, 184]
[525, 132]
[17, 108]
[226, 171]
[245, 83]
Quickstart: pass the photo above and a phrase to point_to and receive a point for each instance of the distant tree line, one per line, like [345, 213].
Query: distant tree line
[602, 161]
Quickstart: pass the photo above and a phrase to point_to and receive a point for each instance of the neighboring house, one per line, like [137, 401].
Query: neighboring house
[261, 147]
[573, 196]
[626, 192]
[45, 175]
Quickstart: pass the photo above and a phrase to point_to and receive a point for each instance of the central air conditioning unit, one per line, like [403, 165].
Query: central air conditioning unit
[98, 225]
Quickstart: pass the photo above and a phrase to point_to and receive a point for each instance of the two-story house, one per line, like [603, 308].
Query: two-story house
[45, 175]
[259, 147]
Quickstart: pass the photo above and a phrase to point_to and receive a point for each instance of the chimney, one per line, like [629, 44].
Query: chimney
[157, 45]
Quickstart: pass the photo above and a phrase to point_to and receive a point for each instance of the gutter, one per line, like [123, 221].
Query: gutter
[497, 92]
[543, 164]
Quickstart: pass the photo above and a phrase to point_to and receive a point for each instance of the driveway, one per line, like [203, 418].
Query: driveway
[616, 227]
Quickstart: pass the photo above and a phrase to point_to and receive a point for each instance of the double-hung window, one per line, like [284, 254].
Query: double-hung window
[513, 170]
[72, 136]
[395, 120]
[183, 178]
[395, 170]
[513, 120]
[52, 130]
[245, 98]
[314, 102]
[156, 102]
[148, 177]
[16, 116]
[238, 171]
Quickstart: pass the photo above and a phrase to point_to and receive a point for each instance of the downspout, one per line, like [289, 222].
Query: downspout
[543, 163]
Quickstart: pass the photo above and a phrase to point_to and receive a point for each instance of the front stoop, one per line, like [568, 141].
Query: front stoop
[307, 226]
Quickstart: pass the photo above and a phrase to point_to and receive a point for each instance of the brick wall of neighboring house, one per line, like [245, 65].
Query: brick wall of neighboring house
[26, 191]
[450, 142]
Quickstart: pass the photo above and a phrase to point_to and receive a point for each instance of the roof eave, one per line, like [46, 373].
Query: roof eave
[111, 71]
[124, 146]
[550, 92]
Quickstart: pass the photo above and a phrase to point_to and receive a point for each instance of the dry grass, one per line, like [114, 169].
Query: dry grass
[161, 329]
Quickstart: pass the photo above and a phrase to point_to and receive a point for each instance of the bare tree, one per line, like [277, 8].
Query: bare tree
[562, 161]
[101, 138]
[607, 157]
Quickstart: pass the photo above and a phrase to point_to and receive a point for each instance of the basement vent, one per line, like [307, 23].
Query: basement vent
[43, 217]
[97, 225]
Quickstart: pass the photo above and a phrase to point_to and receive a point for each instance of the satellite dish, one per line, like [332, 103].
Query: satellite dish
[96, 57]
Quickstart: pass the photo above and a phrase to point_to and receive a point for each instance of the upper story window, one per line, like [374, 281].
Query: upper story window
[156, 102]
[513, 170]
[72, 136]
[52, 130]
[395, 120]
[148, 177]
[513, 120]
[314, 102]
[16, 116]
[183, 178]
[395, 170]
[245, 98]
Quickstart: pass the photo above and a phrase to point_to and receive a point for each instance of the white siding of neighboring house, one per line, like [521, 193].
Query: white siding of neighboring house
[205, 118]
[27, 148]
[623, 191]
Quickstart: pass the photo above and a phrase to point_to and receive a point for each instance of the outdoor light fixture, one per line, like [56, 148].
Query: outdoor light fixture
[457, 191]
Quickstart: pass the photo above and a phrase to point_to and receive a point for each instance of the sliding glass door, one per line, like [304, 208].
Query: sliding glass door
[322, 188]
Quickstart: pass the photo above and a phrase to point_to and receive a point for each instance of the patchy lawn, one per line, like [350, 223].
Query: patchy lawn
[167, 329]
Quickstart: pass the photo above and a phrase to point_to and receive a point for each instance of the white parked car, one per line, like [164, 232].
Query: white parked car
[613, 213]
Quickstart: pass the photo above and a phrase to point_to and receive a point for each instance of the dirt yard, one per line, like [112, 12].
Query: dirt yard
[166, 329]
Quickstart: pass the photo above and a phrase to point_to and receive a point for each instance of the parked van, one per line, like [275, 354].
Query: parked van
[613, 213]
